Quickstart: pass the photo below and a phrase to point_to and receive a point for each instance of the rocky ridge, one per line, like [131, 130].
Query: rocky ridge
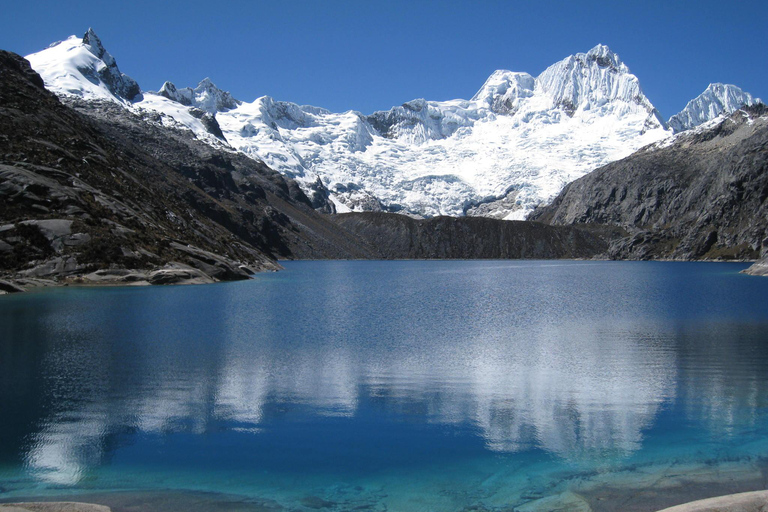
[699, 195]
[402, 237]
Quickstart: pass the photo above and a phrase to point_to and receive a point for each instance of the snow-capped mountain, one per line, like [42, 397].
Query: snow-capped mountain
[516, 143]
[82, 67]
[510, 147]
[716, 99]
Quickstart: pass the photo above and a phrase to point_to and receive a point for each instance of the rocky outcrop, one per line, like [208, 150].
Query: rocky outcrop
[395, 236]
[701, 195]
[758, 268]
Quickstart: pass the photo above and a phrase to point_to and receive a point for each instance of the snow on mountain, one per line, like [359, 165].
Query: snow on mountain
[512, 146]
[206, 96]
[717, 99]
[82, 67]
[515, 144]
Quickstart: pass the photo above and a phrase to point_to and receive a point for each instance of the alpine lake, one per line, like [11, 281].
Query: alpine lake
[391, 386]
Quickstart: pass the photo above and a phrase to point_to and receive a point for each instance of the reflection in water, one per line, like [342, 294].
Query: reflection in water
[523, 358]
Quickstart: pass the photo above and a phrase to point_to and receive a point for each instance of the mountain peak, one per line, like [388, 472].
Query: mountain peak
[206, 96]
[207, 83]
[83, 67]
[717, 98]
[93, 43]
[605, 57]
[596, 81]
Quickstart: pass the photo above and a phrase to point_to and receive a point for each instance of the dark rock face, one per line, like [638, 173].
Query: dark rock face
[13, 64]
[91, 186]
[701, 197]
[399, 237]
[320, 197]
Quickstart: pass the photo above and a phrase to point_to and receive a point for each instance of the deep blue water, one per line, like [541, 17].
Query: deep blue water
[394, 386]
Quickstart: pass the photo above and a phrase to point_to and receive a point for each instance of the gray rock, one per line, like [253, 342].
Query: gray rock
[178, 273]
[116, 276]
[55, 230]
[213, 265]
[756, 501]
[758, 268]
[9, 287]
[701, 197]
[55, 267]
[77, 239]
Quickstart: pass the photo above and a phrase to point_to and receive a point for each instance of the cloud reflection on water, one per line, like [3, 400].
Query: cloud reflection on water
[574, 385]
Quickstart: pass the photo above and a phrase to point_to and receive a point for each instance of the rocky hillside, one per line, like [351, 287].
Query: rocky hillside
[97, 193]
[399, 237]
[699, 195]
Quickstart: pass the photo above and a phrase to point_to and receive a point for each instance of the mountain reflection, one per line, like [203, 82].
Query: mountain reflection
[575, 387]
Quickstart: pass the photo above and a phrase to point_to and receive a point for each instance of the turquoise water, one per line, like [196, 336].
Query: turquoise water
[451, 385]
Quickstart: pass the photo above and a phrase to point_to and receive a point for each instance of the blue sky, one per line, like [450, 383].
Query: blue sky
[368, 56]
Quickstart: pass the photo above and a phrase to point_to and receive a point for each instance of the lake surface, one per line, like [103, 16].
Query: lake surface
[392, 386]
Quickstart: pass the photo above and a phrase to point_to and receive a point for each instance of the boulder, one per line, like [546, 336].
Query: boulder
[9, 287]
[178, 273]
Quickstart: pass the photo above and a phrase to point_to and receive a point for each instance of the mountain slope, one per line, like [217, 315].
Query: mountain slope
[699, 195]
[516, 143]
[109, 193]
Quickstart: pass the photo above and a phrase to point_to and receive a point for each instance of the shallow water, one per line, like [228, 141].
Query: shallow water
[392, 386]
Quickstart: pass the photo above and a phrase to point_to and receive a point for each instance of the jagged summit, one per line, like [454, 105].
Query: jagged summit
[716, 99]
[605, 58]
[83, 67]
[596, 80]
[92, 41]
[206, 96]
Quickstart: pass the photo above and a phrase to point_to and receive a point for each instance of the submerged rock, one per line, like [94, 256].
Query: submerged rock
[743, 502]
[54, 506]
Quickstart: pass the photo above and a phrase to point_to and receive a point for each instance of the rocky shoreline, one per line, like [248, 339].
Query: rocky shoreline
[752, 501]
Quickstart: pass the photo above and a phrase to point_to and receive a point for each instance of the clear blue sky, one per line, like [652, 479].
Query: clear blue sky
[368, 56]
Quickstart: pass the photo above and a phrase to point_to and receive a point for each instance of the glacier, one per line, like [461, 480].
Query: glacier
[514, 145]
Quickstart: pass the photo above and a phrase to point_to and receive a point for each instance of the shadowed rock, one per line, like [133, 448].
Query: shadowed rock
[699, 196]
